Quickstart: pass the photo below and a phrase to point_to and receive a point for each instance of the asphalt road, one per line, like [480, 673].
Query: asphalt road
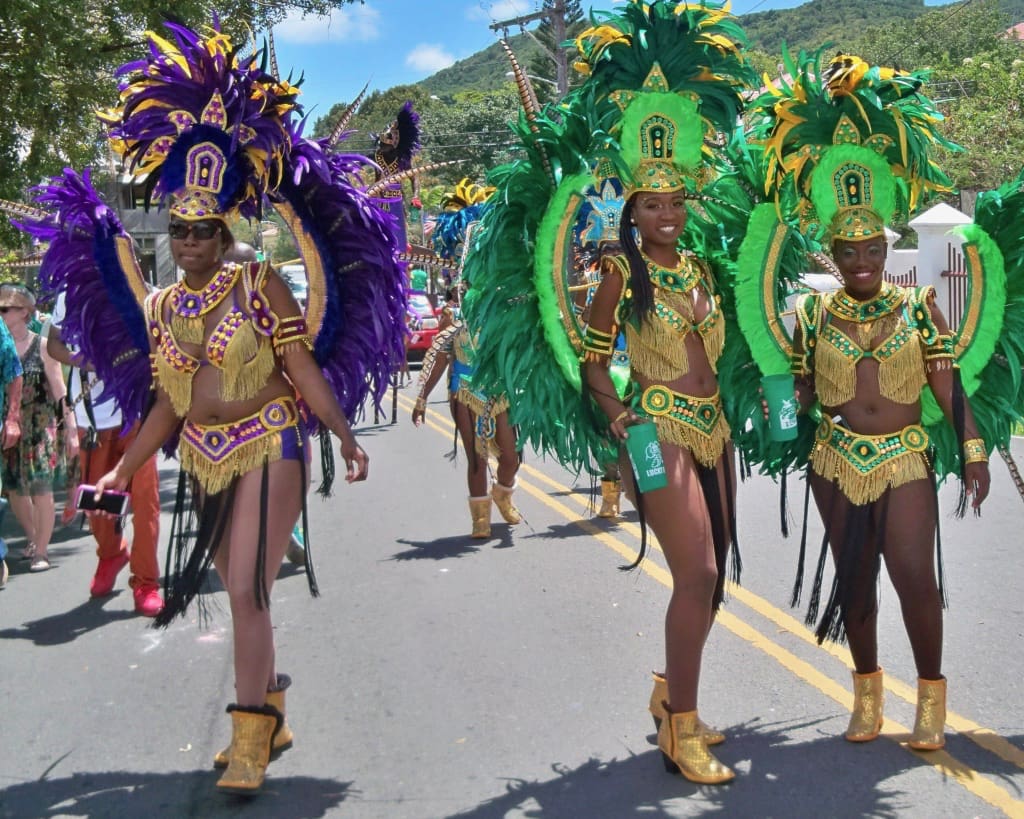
[443, 677]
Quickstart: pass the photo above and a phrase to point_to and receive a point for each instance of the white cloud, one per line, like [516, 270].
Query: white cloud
[349, 24]
[429, 57]
[500, 10]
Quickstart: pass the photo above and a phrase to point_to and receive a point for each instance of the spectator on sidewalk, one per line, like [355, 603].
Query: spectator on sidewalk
[34, 464]
[10, 398]
[103, 442]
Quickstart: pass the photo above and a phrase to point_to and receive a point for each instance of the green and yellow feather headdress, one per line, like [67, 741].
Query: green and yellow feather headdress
[669, 79]
[848, 145]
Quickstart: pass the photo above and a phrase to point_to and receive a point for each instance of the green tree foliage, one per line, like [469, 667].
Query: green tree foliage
[976, 78]
[938, 39]
[811, 25]
[57, 59]
[988, 121]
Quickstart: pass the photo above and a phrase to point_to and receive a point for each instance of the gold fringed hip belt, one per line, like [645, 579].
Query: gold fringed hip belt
[695, 423]
[216, 454]
[485, 411]
[865, 466]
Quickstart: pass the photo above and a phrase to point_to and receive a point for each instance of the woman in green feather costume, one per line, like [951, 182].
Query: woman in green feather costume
[888, 381]
[662, 77]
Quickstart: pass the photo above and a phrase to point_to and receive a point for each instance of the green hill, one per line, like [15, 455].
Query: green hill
[484, 71]
[805, 27]
[819, 21]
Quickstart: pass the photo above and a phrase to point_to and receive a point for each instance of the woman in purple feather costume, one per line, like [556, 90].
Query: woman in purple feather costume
[238, 374]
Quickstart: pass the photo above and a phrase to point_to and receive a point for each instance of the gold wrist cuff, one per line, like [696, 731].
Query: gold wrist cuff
[975, 452]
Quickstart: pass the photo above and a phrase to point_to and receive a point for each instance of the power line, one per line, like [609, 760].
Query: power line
[938, 24]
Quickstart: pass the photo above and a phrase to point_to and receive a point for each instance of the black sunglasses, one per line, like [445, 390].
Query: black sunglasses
[11, 307]
[199, 230]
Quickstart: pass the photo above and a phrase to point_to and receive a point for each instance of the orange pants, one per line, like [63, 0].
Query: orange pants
[145, 506]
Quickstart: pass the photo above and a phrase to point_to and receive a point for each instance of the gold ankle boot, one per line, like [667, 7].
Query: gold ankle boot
[480, 510]
[659, 696]
[283, 737]
[684, 750]
[610, 492]
[929, 727]
[502, 496]
[868, 697]
[251, 732]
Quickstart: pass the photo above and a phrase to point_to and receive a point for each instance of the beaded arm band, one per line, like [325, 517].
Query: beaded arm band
[940, 355]
[292, 330]
[597, 345]
[975, 452]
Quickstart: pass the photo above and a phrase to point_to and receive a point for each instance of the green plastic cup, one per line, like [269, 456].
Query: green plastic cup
[645, 456]
[782, 406]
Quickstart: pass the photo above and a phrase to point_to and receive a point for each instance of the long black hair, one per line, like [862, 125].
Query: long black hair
[639, 280]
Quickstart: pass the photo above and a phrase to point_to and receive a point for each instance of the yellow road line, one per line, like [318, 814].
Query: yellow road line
[942, 761]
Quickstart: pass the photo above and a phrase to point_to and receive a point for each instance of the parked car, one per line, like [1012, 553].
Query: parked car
[422, 321]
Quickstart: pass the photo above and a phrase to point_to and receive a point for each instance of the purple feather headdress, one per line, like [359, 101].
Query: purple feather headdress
[396, 154]
[207, 126]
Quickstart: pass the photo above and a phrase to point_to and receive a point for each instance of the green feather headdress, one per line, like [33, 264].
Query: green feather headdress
[667, 78]
[850, 104]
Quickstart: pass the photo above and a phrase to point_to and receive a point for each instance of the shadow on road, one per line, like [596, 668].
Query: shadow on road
[775, 777]
[69, 625]
[440, 549]
[118, 794]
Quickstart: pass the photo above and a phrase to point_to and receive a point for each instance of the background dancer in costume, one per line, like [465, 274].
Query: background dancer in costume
[481, 421]
[394, 153]
[229, 345]
[866, 353]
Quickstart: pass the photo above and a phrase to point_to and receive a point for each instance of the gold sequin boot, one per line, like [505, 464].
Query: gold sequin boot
[610, 493]
[659, 696]
[684, 750]
[868, 697]
[480, 510]
[503, 500]
[252, 730]
[929, 727]
[283, 737]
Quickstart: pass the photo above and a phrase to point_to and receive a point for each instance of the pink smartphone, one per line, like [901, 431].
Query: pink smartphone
[113, 503]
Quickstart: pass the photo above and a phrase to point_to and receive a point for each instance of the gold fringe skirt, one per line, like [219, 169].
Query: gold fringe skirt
[865, 466]
[216, 454]
[698, 424]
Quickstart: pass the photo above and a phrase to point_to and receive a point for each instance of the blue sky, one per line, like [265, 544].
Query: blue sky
[395, 42]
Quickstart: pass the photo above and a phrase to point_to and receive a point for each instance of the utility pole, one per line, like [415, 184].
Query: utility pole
[555, 15]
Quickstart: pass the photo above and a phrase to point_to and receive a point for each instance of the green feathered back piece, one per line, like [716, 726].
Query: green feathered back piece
[506, 312]
[992, 366]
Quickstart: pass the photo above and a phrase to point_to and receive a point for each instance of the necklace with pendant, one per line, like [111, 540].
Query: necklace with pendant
[188, 306]
[864, 314]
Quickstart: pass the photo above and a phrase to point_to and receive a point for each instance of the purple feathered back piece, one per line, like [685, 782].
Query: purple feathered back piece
[361, 339]
[408, 135]
[103, 316]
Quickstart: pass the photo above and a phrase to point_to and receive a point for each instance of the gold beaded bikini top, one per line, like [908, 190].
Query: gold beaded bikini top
[241, 345]
[909, 345]
[656, 345]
